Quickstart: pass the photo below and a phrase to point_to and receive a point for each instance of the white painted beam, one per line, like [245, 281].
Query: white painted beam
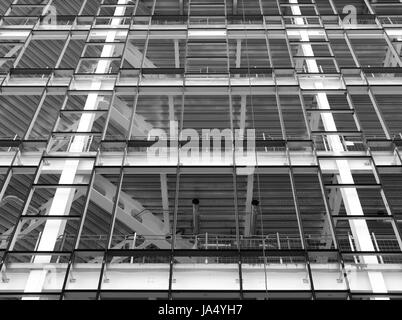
[63, 196]
[350, 196]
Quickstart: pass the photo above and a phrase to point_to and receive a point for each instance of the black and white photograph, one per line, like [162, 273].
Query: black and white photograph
[200, 158]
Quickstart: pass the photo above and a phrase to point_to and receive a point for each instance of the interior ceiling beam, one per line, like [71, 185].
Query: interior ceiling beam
[10, 53]
[146, 224]
[124, 215]
[30, 227]
[121, 116]
[390, 59]
[136, 58]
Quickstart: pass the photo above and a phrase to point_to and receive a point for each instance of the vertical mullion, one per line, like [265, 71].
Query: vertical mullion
[37, 111]
[234, 165]
[279, 108]
[27, 41]
[178, 168]
[350, 47]
[63, 51]
[331, 222]
[378, 111]
[111, 229]
[116, 203]
[303, 107]
[394, 221]
[79, 231]
[300, 223]
[114, 93]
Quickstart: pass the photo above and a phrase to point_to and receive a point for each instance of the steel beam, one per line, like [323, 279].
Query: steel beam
[350, 196]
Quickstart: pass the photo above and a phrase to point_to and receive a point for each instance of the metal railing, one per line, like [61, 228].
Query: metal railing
[205, 241]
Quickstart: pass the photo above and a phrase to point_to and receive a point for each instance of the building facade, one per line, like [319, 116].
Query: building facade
[170, 149]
